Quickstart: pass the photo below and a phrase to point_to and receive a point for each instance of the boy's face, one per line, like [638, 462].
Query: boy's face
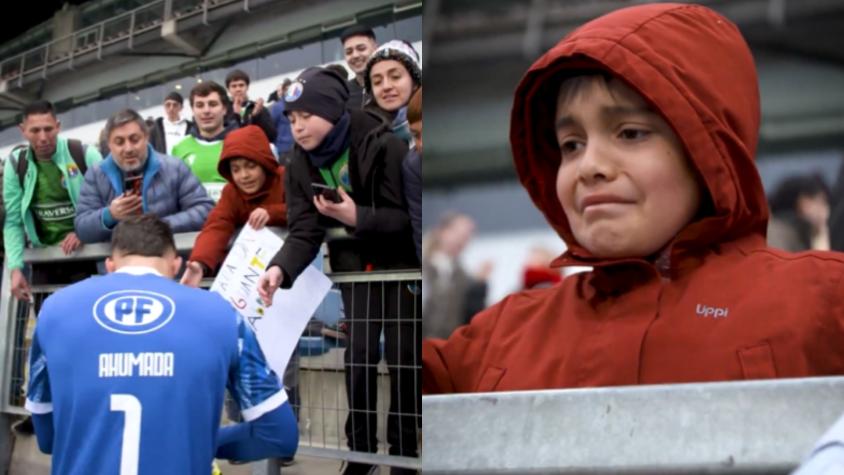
[308, 129]
[238, 89]
[247, 175]
[173, 109]
[209, 112]
[392, 85]
[624, 182]
[357, 50]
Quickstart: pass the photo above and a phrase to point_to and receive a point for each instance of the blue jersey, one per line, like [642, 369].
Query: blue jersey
[133, 368]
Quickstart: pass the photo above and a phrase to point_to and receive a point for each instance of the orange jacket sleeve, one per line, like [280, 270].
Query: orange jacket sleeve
[210, 246]
[457, 364]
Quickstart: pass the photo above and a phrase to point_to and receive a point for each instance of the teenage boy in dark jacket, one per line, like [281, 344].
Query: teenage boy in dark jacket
[354, 154]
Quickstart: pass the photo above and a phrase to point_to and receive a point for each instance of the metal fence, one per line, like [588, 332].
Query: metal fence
[733, 427]
[377, 313]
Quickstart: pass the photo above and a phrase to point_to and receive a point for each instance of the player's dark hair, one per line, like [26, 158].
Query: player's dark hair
[145, 235]
[38, 107]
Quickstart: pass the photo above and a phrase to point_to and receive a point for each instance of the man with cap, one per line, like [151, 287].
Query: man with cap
[358, 44]
[345, 171]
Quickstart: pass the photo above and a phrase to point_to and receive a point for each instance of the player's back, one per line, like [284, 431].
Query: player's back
[137, 366]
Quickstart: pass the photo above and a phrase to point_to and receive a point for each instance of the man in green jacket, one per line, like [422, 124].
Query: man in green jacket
[40, 194]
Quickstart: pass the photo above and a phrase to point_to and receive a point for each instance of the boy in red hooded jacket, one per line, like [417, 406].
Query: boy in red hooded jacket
[635, 136]
[254, 195]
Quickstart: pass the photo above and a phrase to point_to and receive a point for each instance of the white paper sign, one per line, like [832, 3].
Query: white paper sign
[279, 326]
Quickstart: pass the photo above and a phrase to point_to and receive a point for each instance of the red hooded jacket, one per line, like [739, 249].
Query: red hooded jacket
[235, 206]
[722, 306]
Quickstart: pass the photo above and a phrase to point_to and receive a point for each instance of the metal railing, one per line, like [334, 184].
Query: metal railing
[123, 27]
[763, 426]
[321, 404]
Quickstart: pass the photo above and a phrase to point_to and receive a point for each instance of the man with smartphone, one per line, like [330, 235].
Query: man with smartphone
[135, 179]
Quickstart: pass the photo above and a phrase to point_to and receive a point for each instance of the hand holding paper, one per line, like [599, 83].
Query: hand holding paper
[246, 283]
[269, 282]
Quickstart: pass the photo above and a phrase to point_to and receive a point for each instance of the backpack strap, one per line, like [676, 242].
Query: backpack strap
[20, 162]
[77, 152]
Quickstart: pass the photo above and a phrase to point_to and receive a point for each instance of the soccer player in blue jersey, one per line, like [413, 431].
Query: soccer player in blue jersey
[128, 370]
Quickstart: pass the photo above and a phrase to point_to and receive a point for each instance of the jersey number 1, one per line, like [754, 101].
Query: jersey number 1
[129, 405]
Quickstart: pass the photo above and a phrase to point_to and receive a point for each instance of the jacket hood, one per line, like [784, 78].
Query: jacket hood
[250, 143]
[694, 68]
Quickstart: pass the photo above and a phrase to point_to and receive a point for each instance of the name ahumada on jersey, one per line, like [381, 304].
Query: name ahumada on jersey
[133, 368]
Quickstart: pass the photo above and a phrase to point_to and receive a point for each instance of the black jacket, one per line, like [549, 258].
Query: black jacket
[412, 175]
[382, 238]
[357, 95]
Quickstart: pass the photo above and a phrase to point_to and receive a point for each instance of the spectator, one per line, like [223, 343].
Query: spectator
[353, 155]
[412, 170]
[41, 187]
[284, 138]
[836, 217]
[135, 179]
[452, 296]
[800, 215]
[241, 110]
[393, 73]
[201, 149]
[358, 44]
[129, 370]
[102, 143]
[170, 130]
[278, 93]
[254, 195]
[649, 177]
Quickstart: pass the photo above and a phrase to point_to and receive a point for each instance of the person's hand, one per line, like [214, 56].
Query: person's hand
[20, 287]
[258, 218]
[125, 205]
[259, 105]
[193, 274]
[269, 282]
[70, 243]
[237, 104]
[345, 211]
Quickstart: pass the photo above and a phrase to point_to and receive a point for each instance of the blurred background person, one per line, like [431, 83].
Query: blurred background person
[800, 214]
[452, 296]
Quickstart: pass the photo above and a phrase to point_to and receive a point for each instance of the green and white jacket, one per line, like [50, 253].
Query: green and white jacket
[19, 218]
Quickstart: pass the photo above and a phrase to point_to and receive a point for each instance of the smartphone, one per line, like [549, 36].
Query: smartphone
[132, 183]
[327, 192]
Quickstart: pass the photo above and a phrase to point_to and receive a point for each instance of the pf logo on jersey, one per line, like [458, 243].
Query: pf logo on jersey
[133, 311]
